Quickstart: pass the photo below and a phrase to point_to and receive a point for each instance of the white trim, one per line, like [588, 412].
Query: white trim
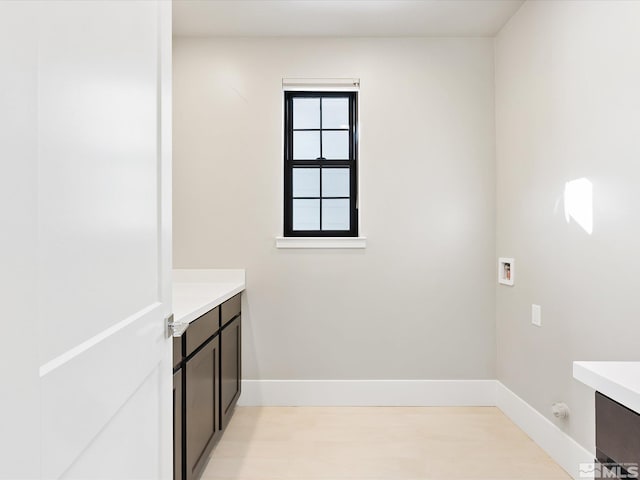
[367, 393]
[79, 349]
[319, 88]
[320, 83]
[427, 393]
[321, 242]
[564, 450]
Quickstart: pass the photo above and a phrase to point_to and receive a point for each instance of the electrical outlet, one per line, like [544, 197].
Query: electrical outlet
[536, 315]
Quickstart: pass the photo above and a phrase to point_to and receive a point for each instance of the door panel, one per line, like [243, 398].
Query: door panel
[19, 362]
[93, 160]
[136, 425]
[81, 396]
[98, 169]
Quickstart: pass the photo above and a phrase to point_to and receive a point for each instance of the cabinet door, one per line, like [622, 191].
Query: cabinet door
[177, 425]
[230, 374]
[202, 411]
[177, 352]
[617, 432]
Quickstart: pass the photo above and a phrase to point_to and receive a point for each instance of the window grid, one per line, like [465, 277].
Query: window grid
[321, 163]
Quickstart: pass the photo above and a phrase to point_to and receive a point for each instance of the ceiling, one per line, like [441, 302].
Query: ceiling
[351, 18]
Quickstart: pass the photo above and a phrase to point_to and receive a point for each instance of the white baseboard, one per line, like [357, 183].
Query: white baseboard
[368, 393]
[568, 453]
[429, 393]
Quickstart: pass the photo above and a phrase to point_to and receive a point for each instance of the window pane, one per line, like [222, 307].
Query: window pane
[335, 145]
[335, 214]
[335, 182]
[306, 113]
[306, 214]
[306, 145]
[335, 113]
[306, 182]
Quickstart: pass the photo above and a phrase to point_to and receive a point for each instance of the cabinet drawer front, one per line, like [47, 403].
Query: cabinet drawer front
[617, 431]
[201, 329]
[177, 351]
[230, 309]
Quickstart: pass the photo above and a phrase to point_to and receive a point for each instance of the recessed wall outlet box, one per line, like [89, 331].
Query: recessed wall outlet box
[506, 271]
[536, 315]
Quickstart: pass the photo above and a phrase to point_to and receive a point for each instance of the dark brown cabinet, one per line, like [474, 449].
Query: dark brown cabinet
[230, 310]
[617, 437]
[202, 412]
[207, 384]
[177, 425]
[201, 330]
[178, 430]
[230, 367]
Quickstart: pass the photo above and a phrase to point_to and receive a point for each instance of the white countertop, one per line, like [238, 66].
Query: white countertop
[195, 292]
[619, 381]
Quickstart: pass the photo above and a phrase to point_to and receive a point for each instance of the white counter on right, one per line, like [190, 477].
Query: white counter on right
[619, 381]
[195, 292]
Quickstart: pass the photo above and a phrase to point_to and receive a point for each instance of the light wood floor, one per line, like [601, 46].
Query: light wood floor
[398, 443]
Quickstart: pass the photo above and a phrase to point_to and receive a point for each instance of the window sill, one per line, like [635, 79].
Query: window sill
[321, 242]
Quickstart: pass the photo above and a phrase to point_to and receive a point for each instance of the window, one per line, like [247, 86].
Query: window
[320, 164]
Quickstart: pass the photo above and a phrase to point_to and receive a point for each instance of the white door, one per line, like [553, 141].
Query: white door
[85, 239]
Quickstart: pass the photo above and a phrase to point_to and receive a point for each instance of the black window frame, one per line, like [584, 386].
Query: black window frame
[290, 163]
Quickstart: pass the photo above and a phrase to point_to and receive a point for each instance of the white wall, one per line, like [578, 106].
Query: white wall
[418, 303]
[568, 107]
